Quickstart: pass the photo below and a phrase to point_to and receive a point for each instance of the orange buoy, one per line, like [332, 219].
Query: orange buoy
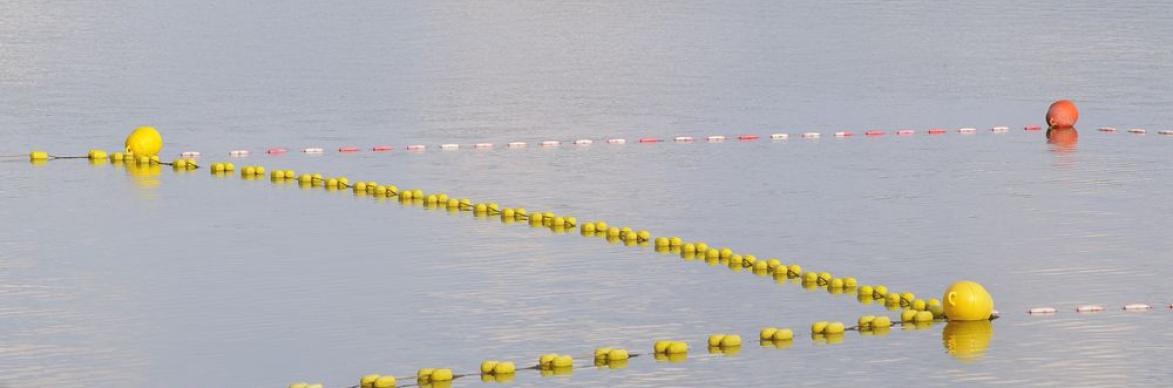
[1062, 114]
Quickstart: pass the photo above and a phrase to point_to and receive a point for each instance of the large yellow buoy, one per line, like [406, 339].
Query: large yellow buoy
[967, 301]
[144, 141]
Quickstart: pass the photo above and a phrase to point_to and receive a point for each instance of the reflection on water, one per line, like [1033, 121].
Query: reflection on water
[144, 176]
[1062, 140]
[967, 341]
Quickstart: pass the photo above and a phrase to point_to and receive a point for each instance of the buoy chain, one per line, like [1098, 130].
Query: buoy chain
[1091, 309]
[645, 140]
[99, 155]
[631, 237]
[599, 364]
[894, 323]
[714, 139]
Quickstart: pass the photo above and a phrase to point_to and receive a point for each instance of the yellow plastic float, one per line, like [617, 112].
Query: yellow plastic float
[967, 301]
[144, 141]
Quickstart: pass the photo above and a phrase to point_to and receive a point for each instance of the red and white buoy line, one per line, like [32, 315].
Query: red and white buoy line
[1136, 131]
[811, 135]
[1092, 308]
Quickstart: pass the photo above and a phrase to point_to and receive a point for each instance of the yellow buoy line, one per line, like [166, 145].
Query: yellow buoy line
[101, 156]
[918, 313]
[963, 301]
[915, 311]
[557, 223]
[562, 223]
[673, 351]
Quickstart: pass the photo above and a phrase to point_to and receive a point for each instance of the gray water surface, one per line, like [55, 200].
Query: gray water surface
[116, 277]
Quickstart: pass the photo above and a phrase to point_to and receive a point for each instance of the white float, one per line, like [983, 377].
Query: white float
[1041, 310]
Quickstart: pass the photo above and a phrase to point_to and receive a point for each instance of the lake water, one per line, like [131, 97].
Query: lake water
[117, 277]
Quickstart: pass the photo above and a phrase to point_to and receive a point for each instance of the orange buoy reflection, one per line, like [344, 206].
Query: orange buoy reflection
[1063, 139]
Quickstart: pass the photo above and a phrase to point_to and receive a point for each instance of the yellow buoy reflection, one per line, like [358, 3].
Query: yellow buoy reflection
[672, 358]
[144, 176]
[967, 341]
[616, 364]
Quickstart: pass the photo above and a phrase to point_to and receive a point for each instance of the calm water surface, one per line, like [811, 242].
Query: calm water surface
[115, 277]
